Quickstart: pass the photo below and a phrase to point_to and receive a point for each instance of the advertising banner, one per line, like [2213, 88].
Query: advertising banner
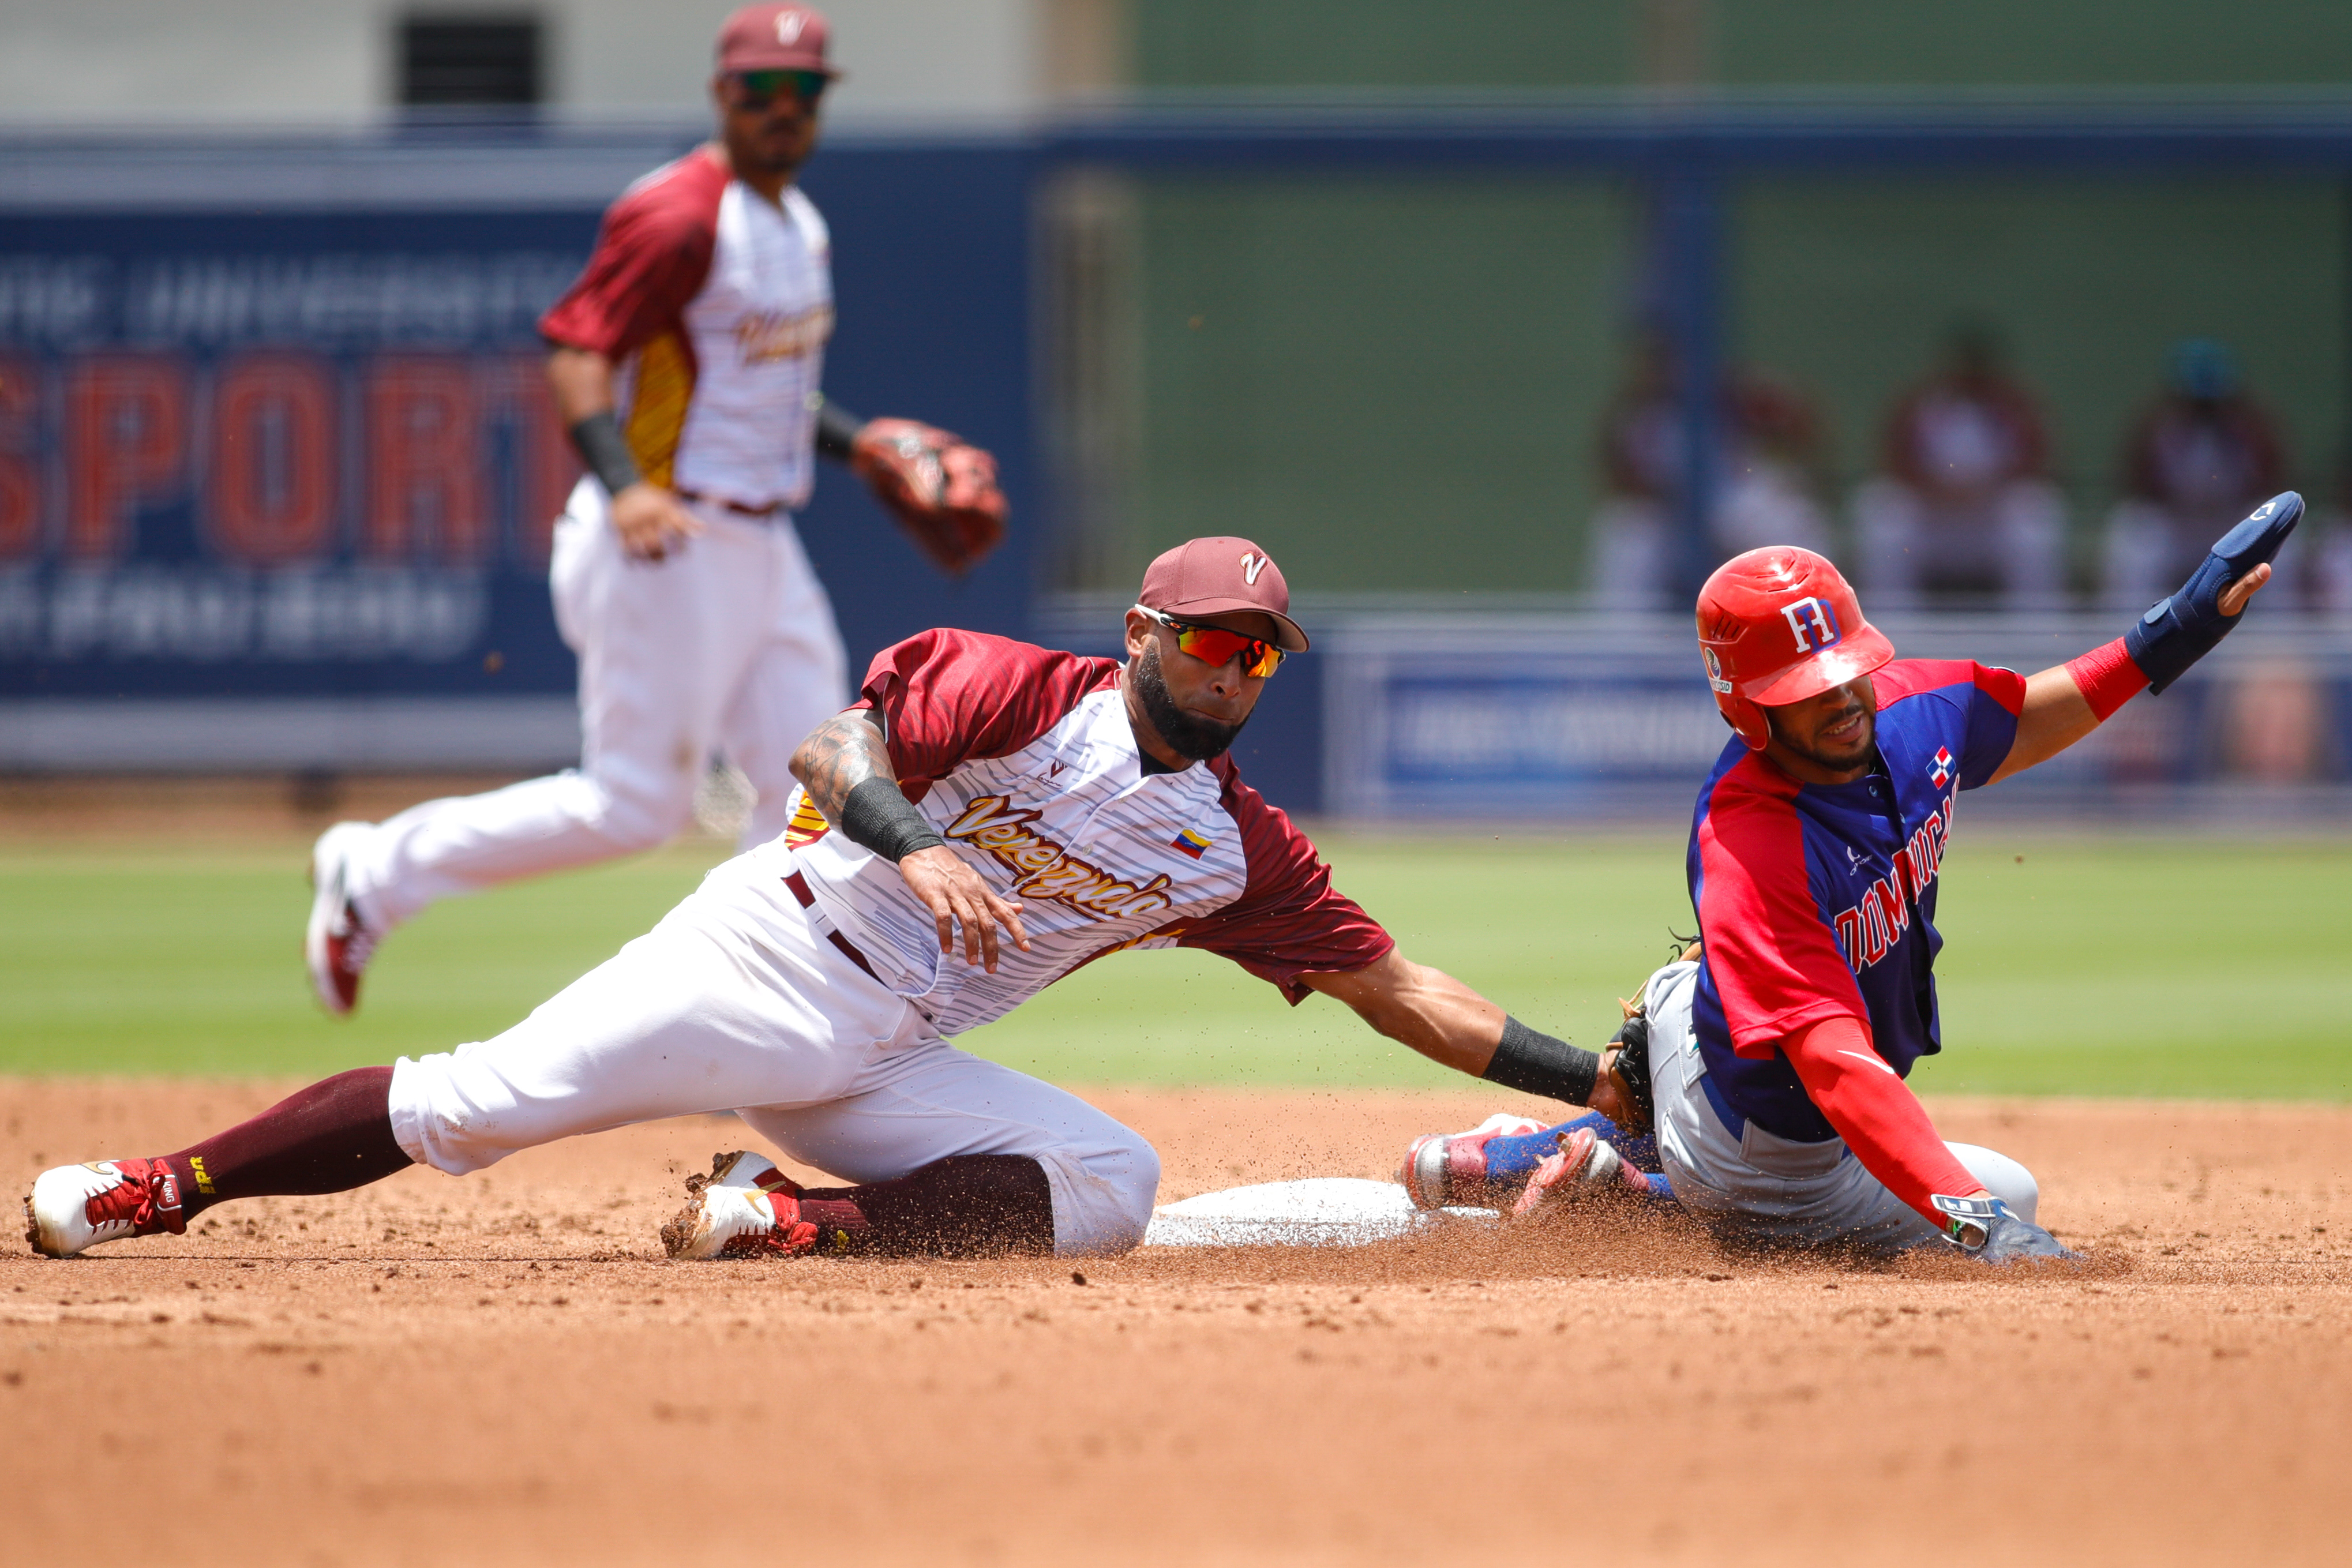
[280, 454]
[1434, 719]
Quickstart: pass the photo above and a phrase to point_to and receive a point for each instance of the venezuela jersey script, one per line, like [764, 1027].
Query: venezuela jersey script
[715, 303]
[1024, 760]
[1819, 900]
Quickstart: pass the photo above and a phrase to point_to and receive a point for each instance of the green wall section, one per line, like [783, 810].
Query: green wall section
[1745, 43]
[1391, 386]
[1395, 382]
[1846, 287]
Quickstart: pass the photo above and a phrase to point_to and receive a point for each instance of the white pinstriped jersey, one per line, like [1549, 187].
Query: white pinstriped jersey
[1025, 759]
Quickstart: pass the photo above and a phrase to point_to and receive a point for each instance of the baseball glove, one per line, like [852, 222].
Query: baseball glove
[941, 488]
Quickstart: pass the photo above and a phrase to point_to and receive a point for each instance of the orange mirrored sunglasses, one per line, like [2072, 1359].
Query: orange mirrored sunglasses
[1215, 645]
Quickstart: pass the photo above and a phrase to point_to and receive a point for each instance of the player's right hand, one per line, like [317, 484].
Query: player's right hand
[651, 522]
[957, 897]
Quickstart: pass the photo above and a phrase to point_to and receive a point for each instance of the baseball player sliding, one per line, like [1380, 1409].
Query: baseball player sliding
[987, 817]
[686, 361]
[1769, 1062]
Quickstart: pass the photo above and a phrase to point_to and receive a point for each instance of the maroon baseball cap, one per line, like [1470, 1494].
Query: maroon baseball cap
[775, 37]
[1218, 576]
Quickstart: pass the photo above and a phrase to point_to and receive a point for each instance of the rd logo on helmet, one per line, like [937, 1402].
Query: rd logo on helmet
[1814, 624]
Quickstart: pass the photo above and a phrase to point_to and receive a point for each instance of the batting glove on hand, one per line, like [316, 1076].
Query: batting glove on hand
[2179, 631]
[1989, 1230]
[941, 488]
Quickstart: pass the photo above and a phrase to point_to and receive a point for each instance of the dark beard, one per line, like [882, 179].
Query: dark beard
[1189, 735]
[1821, 759]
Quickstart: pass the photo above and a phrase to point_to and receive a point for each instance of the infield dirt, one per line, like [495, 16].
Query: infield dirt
[503, 1369]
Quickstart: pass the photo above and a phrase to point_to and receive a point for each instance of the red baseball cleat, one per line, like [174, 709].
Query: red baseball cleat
[744, 1208]
[1584, 1165]
[74, 1207]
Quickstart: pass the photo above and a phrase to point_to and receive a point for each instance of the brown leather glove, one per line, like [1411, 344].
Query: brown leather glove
[941, 488]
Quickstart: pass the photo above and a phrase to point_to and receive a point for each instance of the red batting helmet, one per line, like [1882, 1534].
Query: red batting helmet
[1776, 625]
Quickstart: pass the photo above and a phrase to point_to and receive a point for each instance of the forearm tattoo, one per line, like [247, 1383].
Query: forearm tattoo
[839, 754]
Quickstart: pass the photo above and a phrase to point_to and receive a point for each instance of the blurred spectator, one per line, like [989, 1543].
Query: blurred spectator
[2202, 457]
[1963, 508]
[1764, 485]
[2318, 560]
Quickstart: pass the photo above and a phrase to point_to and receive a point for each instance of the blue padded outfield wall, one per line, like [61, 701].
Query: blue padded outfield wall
[255, 456]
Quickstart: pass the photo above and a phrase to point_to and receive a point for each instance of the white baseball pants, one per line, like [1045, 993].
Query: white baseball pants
[729, 643]
[737, 1002]
[1754, 1186]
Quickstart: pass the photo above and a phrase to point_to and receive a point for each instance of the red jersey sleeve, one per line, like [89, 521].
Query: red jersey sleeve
[946, 696]
[1289, 920]
[1768, 945]
[652, 256]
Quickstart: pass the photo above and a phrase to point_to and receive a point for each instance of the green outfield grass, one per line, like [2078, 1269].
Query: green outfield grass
[2103, 966]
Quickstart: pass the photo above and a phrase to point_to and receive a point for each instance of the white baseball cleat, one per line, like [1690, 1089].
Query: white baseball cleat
[744, 1208]
[1585, 1165]
[337, 944]
[72, 1209]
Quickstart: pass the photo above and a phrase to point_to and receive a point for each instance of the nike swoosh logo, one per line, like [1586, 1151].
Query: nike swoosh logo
[1874, 1059]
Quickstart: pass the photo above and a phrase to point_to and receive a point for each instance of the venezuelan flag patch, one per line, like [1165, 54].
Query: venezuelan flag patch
[1192, 841]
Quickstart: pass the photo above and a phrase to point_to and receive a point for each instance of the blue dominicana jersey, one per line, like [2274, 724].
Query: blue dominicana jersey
[1819, 900]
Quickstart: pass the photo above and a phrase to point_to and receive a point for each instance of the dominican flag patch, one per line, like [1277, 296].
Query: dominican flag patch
[1192, 841]
[1943, 768]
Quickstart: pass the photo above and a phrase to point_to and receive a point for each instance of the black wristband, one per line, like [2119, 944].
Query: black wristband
[878, 817]
[1534, 1063]
[606, 451]
[836, 429]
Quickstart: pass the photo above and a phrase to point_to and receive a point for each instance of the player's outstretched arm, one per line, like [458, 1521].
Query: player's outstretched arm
[846, 767]
[1875, 1111]
[1447, 1022]
[2064, 704]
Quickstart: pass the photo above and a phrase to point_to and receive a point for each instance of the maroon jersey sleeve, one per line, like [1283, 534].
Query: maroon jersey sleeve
[1289, 920]
[946, 696]
[652, 256]
[1769, 946]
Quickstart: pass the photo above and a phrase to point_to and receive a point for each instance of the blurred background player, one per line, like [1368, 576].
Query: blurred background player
[1770, 441]
[2202, 453]
[686, 361]
[1964, 510]
[1776, 1054]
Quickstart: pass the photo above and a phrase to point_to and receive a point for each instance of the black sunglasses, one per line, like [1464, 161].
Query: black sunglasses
[757, 90]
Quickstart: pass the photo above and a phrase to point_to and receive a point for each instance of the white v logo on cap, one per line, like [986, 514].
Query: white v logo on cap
[788, 26]
[1251, 564]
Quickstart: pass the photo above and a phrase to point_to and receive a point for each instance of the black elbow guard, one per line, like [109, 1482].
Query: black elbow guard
[1533, 1062]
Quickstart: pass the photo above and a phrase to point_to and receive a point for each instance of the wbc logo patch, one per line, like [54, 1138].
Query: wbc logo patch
[1942, 770]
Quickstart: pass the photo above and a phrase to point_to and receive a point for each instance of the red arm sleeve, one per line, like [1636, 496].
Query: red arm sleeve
[652, 256]
[946, 696]
[1289, 920]
[1876, 1113]
[1774, 958]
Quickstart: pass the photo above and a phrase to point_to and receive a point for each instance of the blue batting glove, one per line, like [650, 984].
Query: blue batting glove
[2179, 631]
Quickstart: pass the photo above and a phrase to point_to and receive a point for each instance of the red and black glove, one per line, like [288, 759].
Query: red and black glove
[941, 488]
